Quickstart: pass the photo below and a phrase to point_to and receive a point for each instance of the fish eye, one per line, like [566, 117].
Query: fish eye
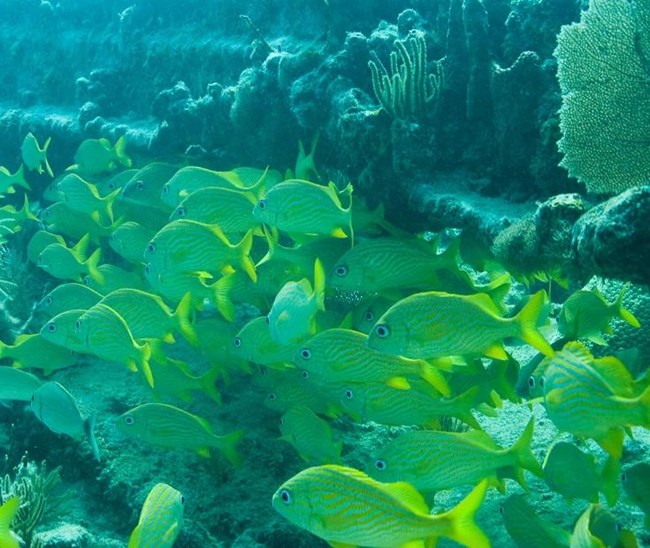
[281, 421]
[111, 186]
[619, 527]
[139, 185]
[341, 270]
[531, 382]
[237, 342]
[151, 248]
[624, 477]
[261, 204]
[380, 464]
[48, 301]
[182, 499]
[382, 331]
[501, 509]
[165, 188]
[51, 327]
[349, 394]
[180, 212]
[147, 268]
[267, 320]
[129, 420]
[272, 396]
[285, 496]
[541, 382]
[304, 374]
[305, 353]
[369, 316]
[86, 280]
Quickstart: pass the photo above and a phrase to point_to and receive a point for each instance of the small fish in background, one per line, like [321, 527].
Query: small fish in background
[83, 197]
[342, 356]
[305, 167]
[366, 314]
[8, 510]
[129, 240]
[33, 351]
[39, 241]
[593, 398]
[149, 317]
[433, 460]
[71, 263]
[115, 181]
[574, 474]
[17, 385]
[98, 156]
[301, 209]
[434, 324]
[174, 378]
[35, 157]
[161, 518]
[310, 435]
[8, 180]
[636, 484]
[57, 409]
[16, 219]
[292, 315]
[345, 507]
[168, 426]
[527, 529]
[105, 334]
[69, 296]
[144, 186]
[586, 314]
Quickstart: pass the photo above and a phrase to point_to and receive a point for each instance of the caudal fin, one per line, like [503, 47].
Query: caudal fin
[462, 527]
[524, 455]
[319, 284]
[228, 446]
[183, 315]
[623, 312]
[529, 318]
[609, 480]
[245, 261]
[222, 300]
[430, 373]
[209, 383]
[91, 266]
[120, 152]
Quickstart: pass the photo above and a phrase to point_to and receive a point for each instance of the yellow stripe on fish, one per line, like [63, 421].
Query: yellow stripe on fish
[161, 518]
[342, 355]
[189, 246]
[168, 426]
[346, 507]
[434, 324]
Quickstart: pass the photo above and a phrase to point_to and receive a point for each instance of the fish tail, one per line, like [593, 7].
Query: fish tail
[462, 527]
[623, 312]
[430, 373]
[120, 152]
[228, 446]
[209, 384]
[221, 299]
[524, 454]
[20, 175]
[244, 249]
[609, 479]
[89, 427]
[272, 240]
[183, 314]
[92, 263]
[529, 317]
[463, 404]
[145, 368]
[7, 513]
[47, 164]
[319, 284]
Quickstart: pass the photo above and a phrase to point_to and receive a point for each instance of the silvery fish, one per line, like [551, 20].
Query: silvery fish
[57, 409]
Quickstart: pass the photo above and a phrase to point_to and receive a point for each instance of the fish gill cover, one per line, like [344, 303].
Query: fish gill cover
[299, 273]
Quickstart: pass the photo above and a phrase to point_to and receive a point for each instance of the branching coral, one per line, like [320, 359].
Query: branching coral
[407, 91]
[35, 486]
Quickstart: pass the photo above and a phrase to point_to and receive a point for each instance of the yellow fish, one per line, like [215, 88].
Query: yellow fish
[68, 297]
[433, 324]
[342, 356]
[310, 435]
[67, 263]
[161, 518]
[433, 460]
[145, 186]
[255, 344]
[175, 378]
[168, 426]
[10, 180]
[57, 409]
[61, 330]
[230, 210]
[39, 241]
[34, 351]
[148, 317]
[302, 208]
[61, 219]
[586, 314]
[189, 246]
[97, 156]
[81, 196]
[35, 157]
[105, 334]
[16, 219]
[593, 398]
[8, 510]
[115, 278]
[292, 315]
[345, 507]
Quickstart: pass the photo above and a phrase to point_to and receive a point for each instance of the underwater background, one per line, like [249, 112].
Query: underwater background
[261, 255]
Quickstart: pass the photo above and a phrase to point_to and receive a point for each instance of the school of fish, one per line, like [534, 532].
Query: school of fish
[353, 318]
